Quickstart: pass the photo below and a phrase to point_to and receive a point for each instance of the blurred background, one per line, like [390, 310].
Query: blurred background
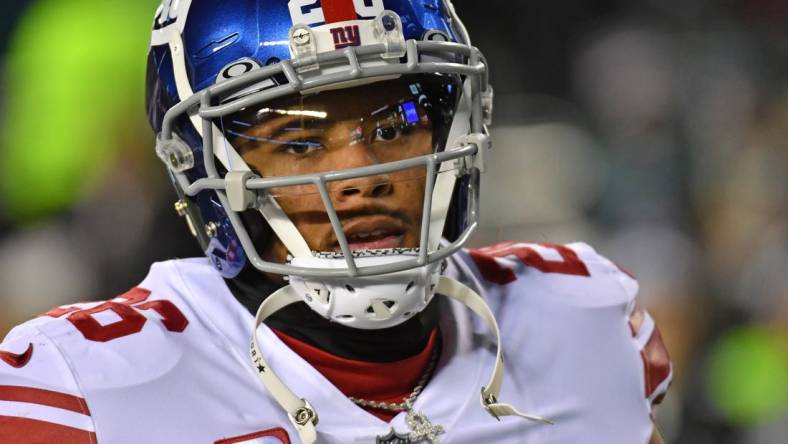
[655, 130]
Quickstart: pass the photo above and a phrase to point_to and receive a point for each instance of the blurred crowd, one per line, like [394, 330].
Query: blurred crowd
[654, 130]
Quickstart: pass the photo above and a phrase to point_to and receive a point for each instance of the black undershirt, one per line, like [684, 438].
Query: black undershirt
[297, 320]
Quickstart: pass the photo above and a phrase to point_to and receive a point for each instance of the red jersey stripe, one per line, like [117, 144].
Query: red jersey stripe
[656, 362]
[17, 360]
[279, 433]
[491, 270]
[30, 431]
[43, 397]
[338, 10]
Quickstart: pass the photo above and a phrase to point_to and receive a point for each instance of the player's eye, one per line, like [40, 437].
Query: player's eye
[301, 147]
[388, 133]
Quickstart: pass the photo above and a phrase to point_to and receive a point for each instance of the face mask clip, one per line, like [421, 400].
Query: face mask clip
[477, 160]
[175, 153]
[487, 104]
[387, 29]
[240, 197]
[303, 47]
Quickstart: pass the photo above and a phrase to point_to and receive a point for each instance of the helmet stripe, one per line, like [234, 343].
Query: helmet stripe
[338, 10]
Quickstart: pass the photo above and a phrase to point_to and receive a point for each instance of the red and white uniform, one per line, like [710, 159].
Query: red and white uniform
[168, 362]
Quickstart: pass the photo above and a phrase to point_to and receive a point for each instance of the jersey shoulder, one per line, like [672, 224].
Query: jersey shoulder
[40, 400]
[574, 285]
[149, 325]
[573, 274]
[139, 355]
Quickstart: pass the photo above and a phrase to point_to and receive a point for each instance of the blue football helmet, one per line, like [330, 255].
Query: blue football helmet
[220, 71]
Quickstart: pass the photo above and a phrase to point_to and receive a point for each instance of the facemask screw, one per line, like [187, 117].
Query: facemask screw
[388, 22]
[180, 207]
[211, 229]
[301, 37]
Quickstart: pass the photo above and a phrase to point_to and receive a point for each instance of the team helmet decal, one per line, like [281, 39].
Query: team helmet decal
[314, 13]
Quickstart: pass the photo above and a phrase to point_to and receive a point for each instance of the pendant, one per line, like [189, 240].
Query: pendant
[422, 431]
[421, 428]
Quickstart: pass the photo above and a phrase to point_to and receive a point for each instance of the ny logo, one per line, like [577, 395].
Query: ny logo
[346, 36]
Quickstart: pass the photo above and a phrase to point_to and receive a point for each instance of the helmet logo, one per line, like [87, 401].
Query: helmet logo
[317, 12]
[346, 36]
[237, 68]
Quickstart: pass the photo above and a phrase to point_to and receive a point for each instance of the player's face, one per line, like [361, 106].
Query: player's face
[337, 130]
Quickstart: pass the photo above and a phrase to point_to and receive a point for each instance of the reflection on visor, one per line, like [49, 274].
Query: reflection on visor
[411, 115]
[348, 128]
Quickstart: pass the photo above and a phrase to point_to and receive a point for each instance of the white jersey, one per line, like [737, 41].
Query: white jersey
[168, 362]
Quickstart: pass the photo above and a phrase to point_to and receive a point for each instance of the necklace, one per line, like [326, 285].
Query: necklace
[420, 426]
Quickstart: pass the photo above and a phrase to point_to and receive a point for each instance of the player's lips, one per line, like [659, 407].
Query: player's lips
[373, 233]
[377, 242]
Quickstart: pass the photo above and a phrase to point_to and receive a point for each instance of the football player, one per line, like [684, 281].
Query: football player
[326, 155]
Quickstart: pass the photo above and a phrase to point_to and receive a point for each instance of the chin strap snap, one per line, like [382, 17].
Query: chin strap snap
[304, 416]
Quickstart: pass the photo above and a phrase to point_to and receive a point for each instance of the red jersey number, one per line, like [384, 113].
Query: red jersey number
[494, 271]
[128, 309]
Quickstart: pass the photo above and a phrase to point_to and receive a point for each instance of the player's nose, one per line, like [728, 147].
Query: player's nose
[357, 156]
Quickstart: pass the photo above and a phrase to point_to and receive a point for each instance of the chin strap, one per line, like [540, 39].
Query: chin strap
[303, 415]
[299, 411]
[489, 397]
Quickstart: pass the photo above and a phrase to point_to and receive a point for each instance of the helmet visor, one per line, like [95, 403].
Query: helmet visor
[376, 123]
